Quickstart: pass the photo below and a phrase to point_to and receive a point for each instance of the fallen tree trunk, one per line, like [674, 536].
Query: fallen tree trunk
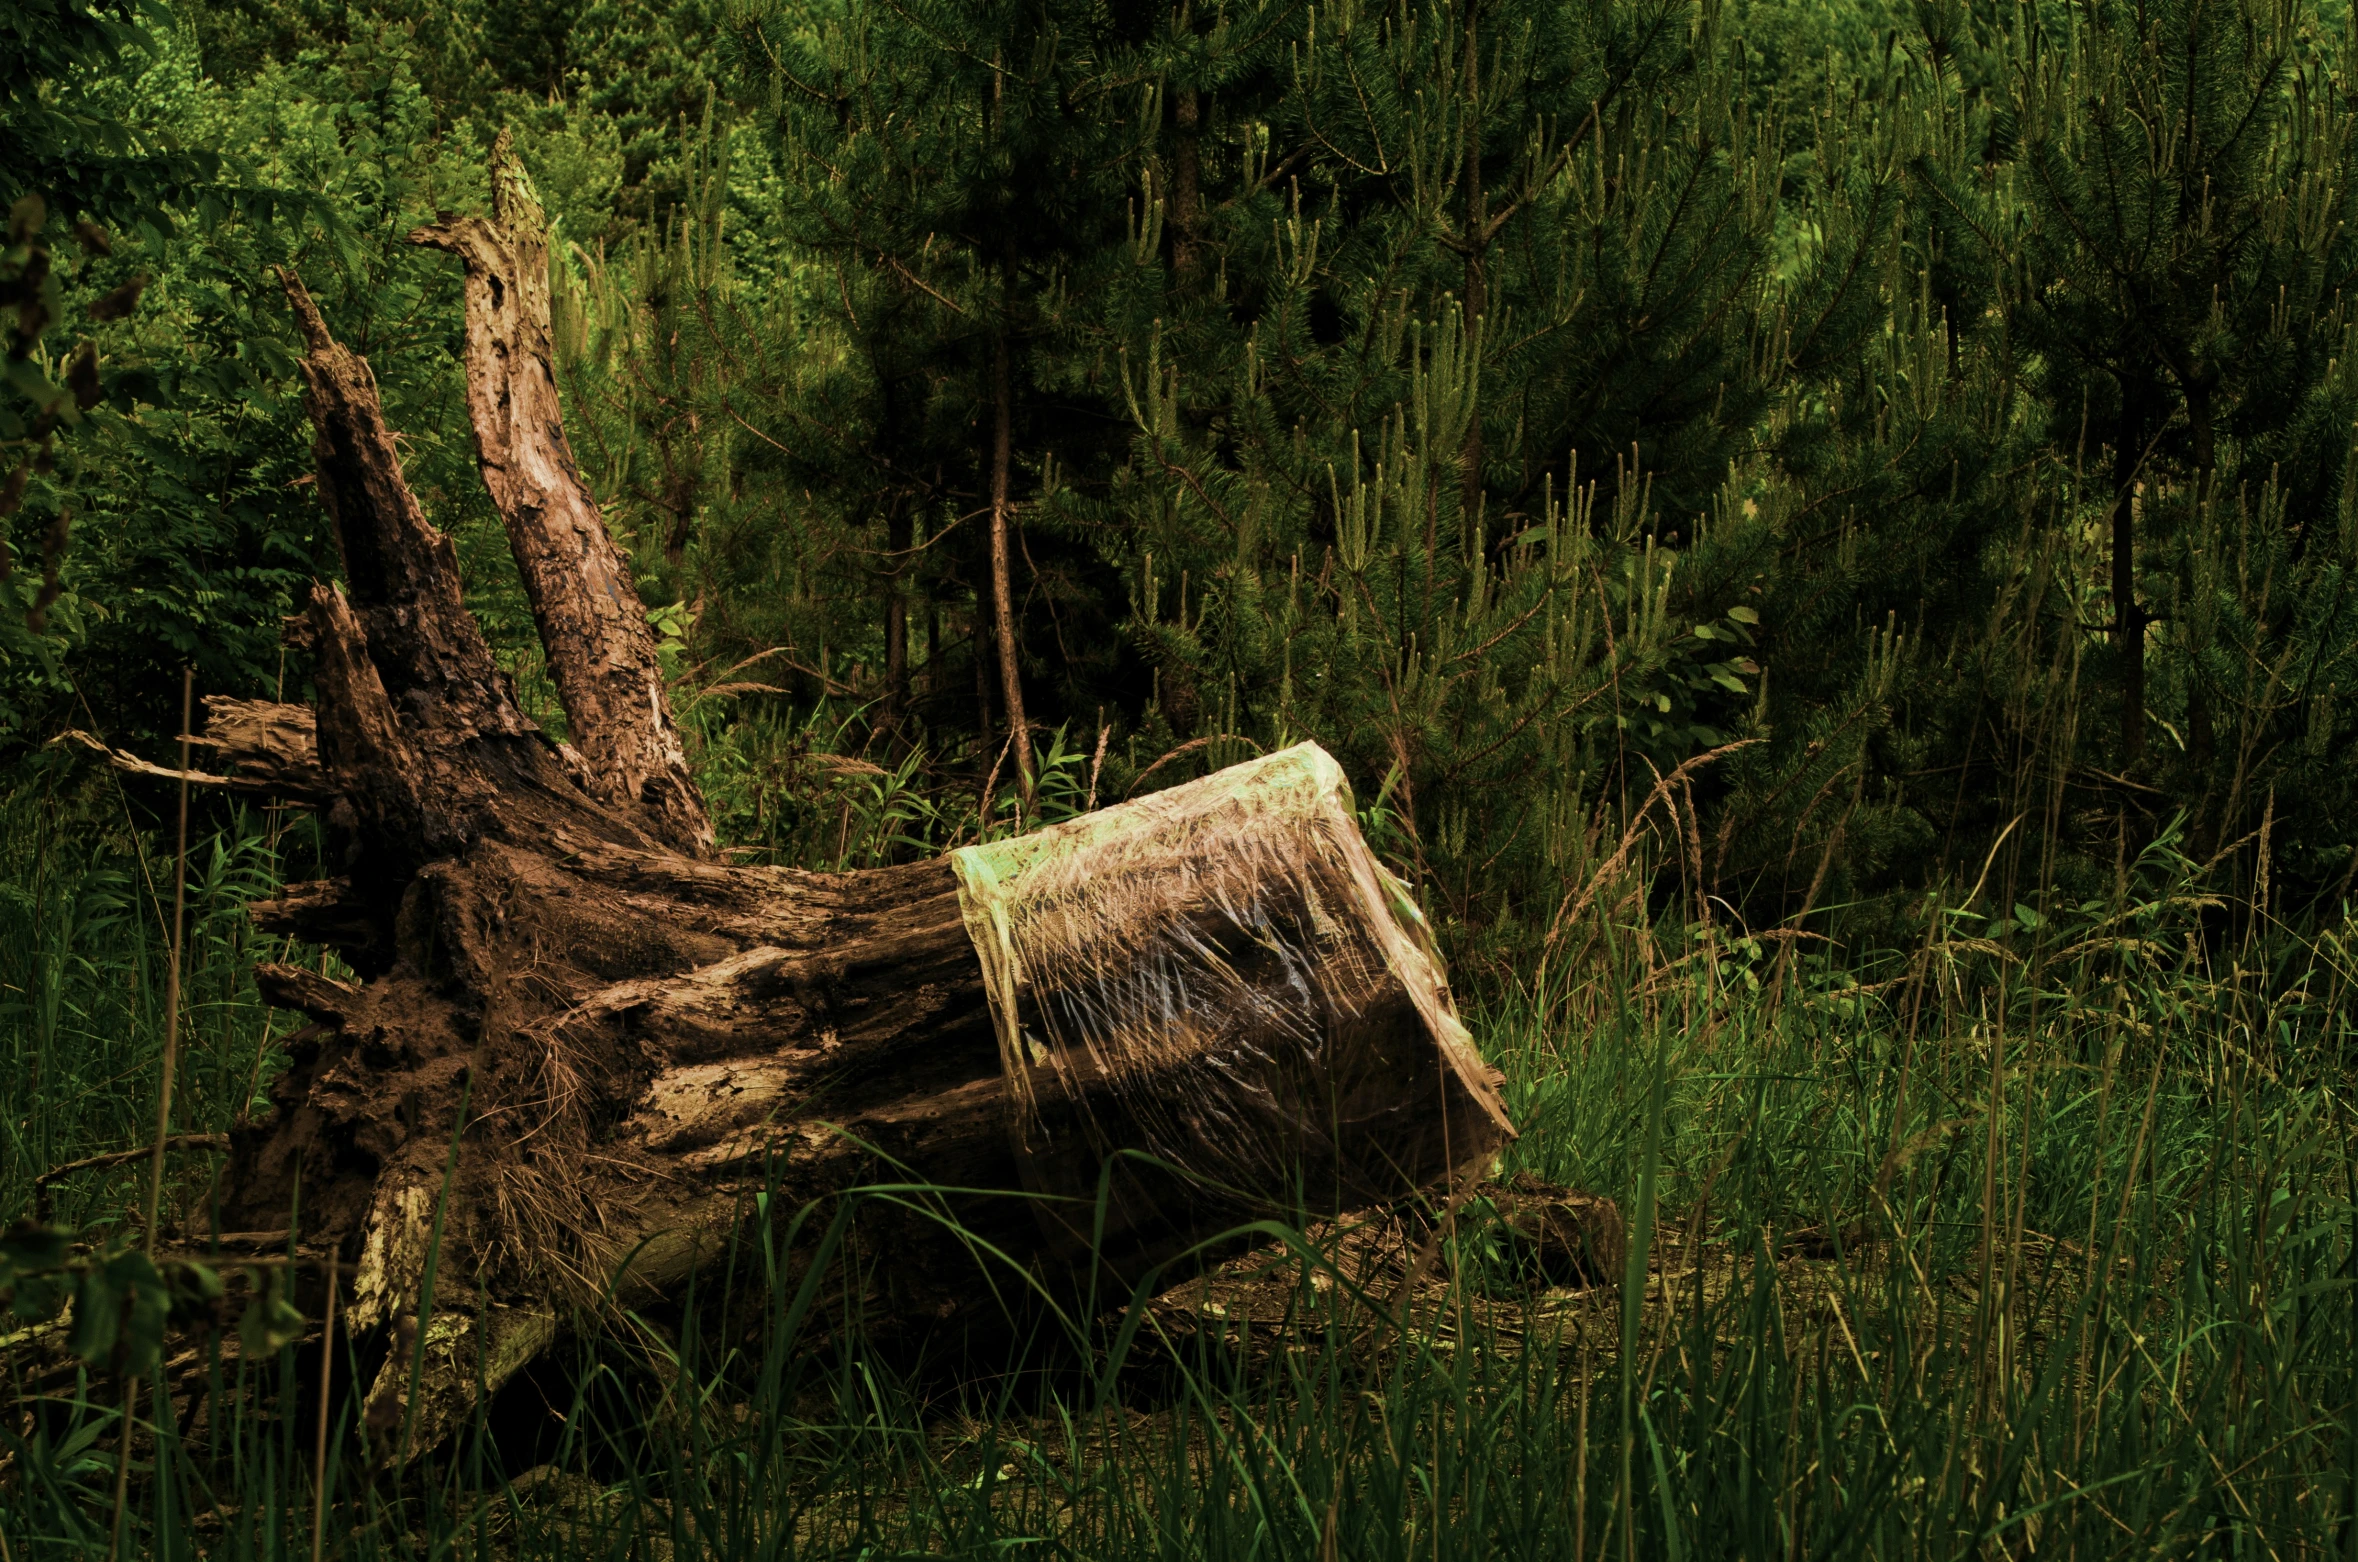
[581, 1045]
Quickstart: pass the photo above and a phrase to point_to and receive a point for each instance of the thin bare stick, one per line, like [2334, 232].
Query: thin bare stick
[41, 1184]
[1002, 604]
[114, 1538]
[155, 1174]
[1097, 760]
[990, 781]
[319, 1435]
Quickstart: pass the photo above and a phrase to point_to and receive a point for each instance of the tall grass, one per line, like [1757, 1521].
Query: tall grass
[85, 943]
[2035, 1238]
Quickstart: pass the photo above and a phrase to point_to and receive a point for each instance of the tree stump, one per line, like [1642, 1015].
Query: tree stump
[582, 1043]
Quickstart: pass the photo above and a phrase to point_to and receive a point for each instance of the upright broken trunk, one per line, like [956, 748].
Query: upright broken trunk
[600, 648]
[582, 1045]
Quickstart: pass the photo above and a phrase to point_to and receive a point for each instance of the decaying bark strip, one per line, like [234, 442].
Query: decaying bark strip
[580, 1045]
[266, 747]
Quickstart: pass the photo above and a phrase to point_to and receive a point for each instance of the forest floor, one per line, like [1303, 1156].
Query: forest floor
[2048, 1253]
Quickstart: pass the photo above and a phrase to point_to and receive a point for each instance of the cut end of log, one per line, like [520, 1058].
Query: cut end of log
[1222, 977]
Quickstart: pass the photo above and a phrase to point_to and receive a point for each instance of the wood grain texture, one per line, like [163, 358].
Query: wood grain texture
[600, 647]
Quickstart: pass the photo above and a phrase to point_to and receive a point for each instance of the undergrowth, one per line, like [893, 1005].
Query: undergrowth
[2034, 1238]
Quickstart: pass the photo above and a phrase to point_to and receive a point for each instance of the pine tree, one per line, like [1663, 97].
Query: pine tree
[2175, 180]
[2174, 238]
[1462, 298]
[957, 171]
[1490, 390]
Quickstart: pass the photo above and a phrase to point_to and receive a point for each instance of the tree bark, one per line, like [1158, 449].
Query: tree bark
[898, 543]
[577, 1035]
[1002, 596]
[600, 648]
[2203, 830]
[899, 556]
[2128, 460]
[265, 747]
[581, 1048]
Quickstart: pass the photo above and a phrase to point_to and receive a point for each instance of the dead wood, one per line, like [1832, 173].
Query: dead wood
[265, 747]
[1559, 1235]
[600, 649]
[581, 1046]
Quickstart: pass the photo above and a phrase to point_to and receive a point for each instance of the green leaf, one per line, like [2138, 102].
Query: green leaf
[192, 1284]
[151, 1307]
[38, 1297]
[270, 1323]
[25, 1246]
[98, 1316]
[1743, 615]
[30, 382]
